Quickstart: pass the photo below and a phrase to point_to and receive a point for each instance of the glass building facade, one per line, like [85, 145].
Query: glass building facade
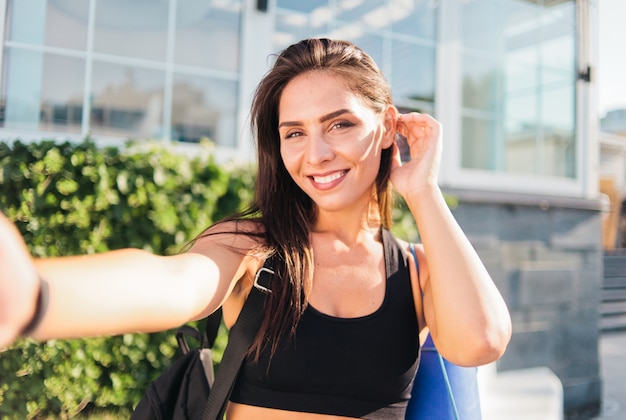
[501, 75]
[123, 69]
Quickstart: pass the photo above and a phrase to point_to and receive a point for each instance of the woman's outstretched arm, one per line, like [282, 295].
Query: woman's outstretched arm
[110, 293]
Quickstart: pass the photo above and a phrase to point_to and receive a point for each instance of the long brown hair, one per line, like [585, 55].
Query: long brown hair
[280, 206]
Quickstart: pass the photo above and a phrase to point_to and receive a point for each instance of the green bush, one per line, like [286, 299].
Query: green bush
[69, 199]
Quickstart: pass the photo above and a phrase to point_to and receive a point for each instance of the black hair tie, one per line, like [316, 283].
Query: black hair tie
[43, 298]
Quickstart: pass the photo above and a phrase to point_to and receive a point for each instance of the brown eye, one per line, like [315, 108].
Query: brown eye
[292, 134]
[342, 124]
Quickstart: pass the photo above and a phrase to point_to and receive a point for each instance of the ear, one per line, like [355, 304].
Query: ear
[390, 117]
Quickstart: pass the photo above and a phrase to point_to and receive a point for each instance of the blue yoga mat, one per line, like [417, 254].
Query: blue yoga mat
[431, 394]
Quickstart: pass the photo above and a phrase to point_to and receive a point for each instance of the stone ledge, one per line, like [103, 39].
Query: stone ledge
[544, 202]
[533, 393]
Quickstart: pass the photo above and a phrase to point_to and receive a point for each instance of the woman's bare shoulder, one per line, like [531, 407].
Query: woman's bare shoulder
[237, 238]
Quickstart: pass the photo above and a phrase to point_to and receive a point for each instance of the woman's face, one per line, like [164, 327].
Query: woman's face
[331, 141]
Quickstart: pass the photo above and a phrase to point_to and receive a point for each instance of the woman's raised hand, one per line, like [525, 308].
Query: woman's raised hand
[423, 134]
[19, 284]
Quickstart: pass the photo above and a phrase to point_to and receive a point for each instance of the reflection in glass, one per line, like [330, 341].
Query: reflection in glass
[481, 24]
[521, 145]
[398, 34]
[558, 105]
[520, 70]
[372, 13]
[520, 77]
[522, 112]
[136, 29]
[372, 44]
[57, 23]
[521, 27]
[307, 6]
[45, 100]
[414, 18]
[293, 27]
[413, 71]
[127, 101]
[480, 83]
[477, 145]
[207, 34]
[66, 23]
[204, 108]
[558, 53]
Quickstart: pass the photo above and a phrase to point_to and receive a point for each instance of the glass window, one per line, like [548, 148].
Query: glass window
[35, 99]
[416, 18]
[61, 23]
[204, 108]
[66, 24]
[207, 34]
[62, 93]
[373, 13]
[127, 101]
[371, 43]
[398, 34]
[558, 106]
[520, 133]
[291, 27]
[477, 147]
[136, 29]
[139, 50]
[302, 6]
[413, 73]
[518, 76]
[480, 83]
[480, 24]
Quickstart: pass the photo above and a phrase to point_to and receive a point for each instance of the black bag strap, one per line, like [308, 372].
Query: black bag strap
[211, 328]
[206, 339]
[240, 338]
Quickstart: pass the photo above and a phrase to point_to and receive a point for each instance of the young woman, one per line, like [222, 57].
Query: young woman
[340, 331]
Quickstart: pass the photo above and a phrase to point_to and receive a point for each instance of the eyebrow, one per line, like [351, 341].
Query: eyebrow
[323, 118]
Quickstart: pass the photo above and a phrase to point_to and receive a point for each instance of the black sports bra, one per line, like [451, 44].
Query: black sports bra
[354, 367]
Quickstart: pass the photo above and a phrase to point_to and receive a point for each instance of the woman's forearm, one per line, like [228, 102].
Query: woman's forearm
[123, 291]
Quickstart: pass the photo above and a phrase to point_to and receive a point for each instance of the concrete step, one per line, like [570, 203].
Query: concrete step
[613, 308]
[614, 282]
[612, 295]
[615, 270]
[616, 255]
[613, 323]
[614, 266]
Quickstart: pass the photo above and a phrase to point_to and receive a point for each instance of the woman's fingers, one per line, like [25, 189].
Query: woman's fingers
[423, 133]
[417, 127]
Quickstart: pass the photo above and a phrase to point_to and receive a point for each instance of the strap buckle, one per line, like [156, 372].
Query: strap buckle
[258, 276]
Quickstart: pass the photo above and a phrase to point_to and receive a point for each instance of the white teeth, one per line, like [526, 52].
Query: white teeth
[328, 178]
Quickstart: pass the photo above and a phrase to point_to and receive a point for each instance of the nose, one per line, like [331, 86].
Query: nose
[319, 150]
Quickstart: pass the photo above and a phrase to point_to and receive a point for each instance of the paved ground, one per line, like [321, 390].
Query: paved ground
[613, 370]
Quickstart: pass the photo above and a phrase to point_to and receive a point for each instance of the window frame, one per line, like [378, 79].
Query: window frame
[449, 111]
[168, 67]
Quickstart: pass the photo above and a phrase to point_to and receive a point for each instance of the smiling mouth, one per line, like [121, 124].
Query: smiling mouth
[328, 178]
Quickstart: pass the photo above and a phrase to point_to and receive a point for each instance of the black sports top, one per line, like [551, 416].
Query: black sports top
[354, 367]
